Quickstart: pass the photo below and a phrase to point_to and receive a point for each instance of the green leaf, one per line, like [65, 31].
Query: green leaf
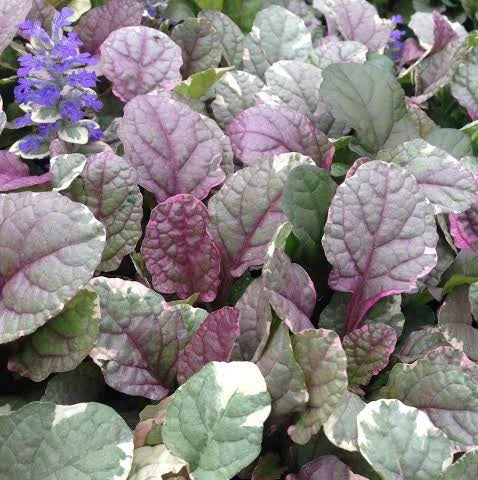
[83, 384]
[307, 196]
[448, 395]
[215, 420]
[74, 134]
[47, 441]
[366, 98]
[323, 360]
[197, 85]
[206, 4]
[65, 168]
[243, 12]
[46, 115]
[455, 142]
[62, 343]
[401, 443]
[368, 350]
[465, 468]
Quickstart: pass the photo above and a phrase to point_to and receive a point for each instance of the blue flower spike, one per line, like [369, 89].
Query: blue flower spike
[55, 89]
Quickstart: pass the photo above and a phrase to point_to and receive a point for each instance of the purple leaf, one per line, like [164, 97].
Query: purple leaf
[324, 363]
[200, 45]
[410, 52]
[448, 185]
[12, 14]
[368, 351]
[247, 210]
[327, 467]
[446, 393]
[140, 338]
[437, 70]
[358, 20]
[14, 174]
[266, 130]
[171, 146]
[464, 228]
[213, 342]
[290, 291]
[140, 59]
[3, 116]
[179, 251]
[419, 343]
[95, 26]
[434, 31]
[108, 188]
[376, 249]
[254, 323]
[50, 247]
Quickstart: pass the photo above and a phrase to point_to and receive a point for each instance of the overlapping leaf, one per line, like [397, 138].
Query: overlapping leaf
[108, 188]
[246, 212]
[277, 34]
[255, 321]
[321, 357]
[90, 438]
[96, 25]
[140, 59]
[14, 174]
[364, 228]
[265, 130]
[171, 146]
[43, 268]
[215, 420]
[235, 92]
[449, 186]
[179, 251]
[365, 98]
[12, 14]
[284, 377]
[341, 427]
[63, 342]
[290, 291]
[368, 350]
[200, 45]
[140, 338]
[231, 36]
[447, 394]
[401, 443]
[212, 342]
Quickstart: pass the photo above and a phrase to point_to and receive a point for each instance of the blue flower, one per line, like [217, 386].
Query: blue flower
[396, 43]
[397, 20]
[53, 76]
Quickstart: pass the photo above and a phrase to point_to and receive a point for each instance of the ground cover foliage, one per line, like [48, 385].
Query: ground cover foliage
[238, 240]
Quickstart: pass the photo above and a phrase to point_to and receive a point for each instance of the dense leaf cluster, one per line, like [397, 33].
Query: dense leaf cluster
[238, 240]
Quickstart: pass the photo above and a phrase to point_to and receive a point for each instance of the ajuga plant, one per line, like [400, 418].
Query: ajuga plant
[55, 88]
[238, 240]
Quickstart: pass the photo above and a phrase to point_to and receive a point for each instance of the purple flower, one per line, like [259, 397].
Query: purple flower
[397, 20]
[53, 75]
